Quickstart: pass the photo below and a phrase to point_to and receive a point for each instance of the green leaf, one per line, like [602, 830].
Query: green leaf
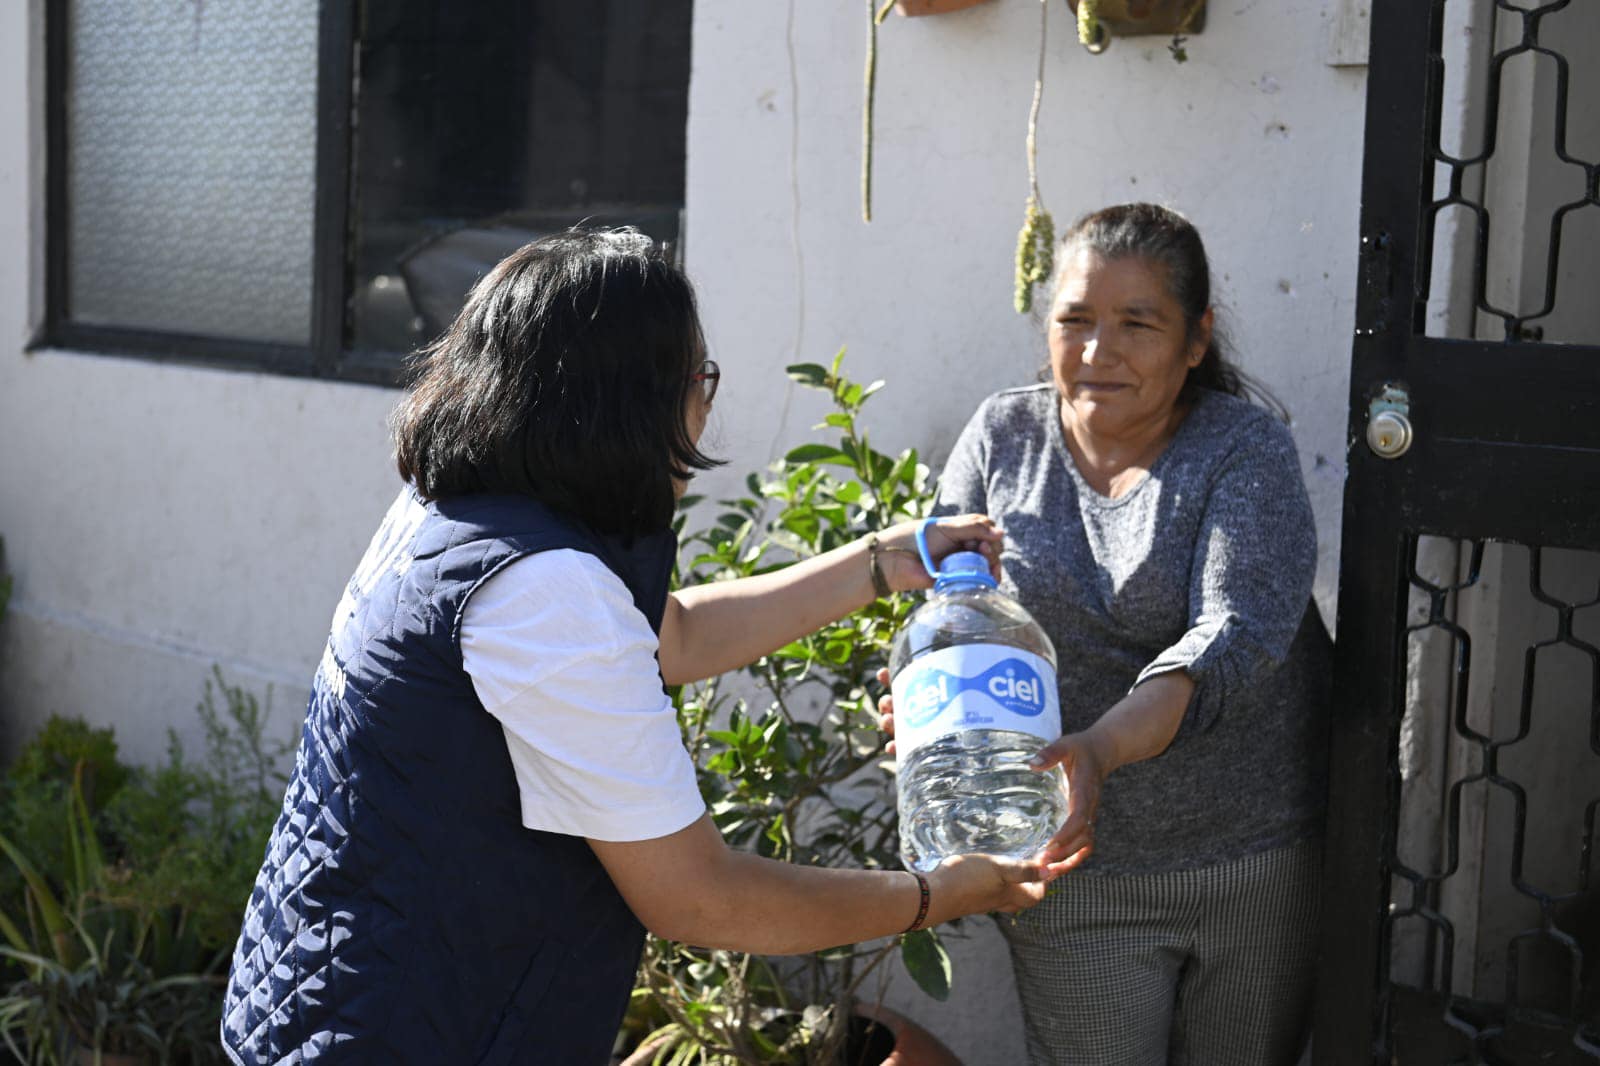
[817, 453]
[764, 1044]
[837, 420]
[927, 962]
[50, 911]
[808, 374]
[803, 524]
[705, 560]
[87, 860]
[9, 930]
[904, 467]
[872, 388]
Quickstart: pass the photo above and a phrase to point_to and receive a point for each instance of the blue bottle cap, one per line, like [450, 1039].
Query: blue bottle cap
[963, 570]
[958, 569]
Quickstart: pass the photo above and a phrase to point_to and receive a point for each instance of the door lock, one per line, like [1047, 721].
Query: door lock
[1389, 423]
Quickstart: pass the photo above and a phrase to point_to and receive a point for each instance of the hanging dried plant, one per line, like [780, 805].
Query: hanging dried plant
[1037, 238]
[875, 17]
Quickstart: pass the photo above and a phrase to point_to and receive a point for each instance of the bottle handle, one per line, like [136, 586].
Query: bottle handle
[922, 547]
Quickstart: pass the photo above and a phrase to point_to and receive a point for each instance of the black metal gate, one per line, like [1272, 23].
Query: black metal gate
[1462, 908]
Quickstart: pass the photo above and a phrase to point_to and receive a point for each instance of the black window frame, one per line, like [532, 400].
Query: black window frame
[326, 355]
[329, 354]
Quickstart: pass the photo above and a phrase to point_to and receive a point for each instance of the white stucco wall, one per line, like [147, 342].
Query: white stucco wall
[160, 518]
[1255, 138]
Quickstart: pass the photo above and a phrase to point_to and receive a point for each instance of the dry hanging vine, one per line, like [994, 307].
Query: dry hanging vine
[875, 17]
[1036, 241]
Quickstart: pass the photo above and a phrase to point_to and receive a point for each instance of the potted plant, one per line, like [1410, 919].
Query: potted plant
[791, 762]
[1100, 20]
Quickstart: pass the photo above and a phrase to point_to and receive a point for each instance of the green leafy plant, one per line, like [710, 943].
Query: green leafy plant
[794, 771]
[38, 787]
[114, 939]
[85, 951]
[191, 835]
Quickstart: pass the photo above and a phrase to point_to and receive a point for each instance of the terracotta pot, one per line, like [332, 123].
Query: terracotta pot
[913, 1045]
[934, 7]
[1134, 18]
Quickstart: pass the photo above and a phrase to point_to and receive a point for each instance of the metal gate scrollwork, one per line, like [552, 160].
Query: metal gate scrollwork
[1461, 918]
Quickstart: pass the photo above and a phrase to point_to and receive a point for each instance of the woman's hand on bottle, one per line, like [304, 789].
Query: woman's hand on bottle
[902, 564]
[1085, 768]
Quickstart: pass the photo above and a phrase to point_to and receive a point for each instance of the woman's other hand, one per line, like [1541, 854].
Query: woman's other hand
[1139, 726]
[1085, 767]
[902, 564]
[886, 709]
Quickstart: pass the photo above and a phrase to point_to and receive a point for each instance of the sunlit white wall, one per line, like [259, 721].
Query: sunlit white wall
[1256, 138]
[161, 518]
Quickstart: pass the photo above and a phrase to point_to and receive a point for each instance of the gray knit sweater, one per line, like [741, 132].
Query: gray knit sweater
[1206, 566]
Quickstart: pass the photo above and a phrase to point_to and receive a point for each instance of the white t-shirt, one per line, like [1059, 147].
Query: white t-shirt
[558, 652]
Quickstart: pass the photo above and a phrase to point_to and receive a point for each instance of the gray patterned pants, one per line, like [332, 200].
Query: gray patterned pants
[1207, 967]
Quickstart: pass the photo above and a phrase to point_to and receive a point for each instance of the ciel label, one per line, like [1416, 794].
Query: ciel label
[974, 686]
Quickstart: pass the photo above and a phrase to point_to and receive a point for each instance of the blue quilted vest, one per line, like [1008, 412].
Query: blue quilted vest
[403, 913]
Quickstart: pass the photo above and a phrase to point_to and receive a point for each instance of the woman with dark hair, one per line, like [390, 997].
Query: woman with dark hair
[491, 801]
[1157, 526]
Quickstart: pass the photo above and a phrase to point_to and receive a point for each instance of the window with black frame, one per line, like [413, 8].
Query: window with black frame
[312, 187]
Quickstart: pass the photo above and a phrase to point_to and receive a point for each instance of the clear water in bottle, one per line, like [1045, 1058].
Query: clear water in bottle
[974, 684]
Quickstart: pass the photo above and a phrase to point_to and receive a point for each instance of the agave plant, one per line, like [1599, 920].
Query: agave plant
[92, 961]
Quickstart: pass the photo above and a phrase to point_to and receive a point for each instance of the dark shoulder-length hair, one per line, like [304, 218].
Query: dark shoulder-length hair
[565, 378]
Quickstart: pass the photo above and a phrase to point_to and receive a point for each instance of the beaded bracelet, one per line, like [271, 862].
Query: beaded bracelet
[922, 908]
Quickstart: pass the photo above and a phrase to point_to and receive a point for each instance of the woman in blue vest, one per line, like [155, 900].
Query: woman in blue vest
[491, 802]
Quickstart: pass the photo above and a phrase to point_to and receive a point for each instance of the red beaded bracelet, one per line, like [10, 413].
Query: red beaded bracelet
[922, 908]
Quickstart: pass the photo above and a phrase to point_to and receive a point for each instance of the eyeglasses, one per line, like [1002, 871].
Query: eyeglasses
[707, 377]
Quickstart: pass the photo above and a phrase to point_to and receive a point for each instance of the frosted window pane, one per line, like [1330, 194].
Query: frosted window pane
[192, 165]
